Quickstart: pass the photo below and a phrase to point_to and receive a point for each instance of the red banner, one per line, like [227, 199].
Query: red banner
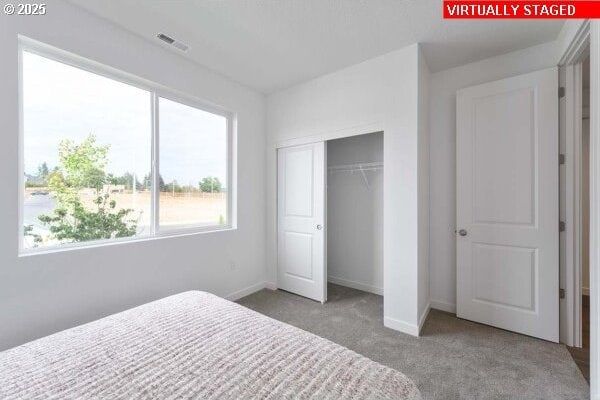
[521, 9]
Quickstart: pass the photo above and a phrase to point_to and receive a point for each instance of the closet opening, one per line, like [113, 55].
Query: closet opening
[330, 217]
[354, 212]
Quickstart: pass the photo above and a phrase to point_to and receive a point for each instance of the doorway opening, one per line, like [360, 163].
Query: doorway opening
[580, 349]
[355, 212]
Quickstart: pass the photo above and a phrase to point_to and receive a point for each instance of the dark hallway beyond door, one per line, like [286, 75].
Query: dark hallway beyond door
[581, 356]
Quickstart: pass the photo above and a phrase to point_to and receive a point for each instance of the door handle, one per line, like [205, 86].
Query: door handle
[319, 227]
[462, 232]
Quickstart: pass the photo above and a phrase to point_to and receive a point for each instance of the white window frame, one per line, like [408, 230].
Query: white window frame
[156, 91]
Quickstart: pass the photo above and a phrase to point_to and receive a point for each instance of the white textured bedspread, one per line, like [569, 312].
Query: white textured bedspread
[193, 345]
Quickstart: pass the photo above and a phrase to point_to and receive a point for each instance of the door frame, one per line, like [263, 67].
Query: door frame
[571, 322]
[590, 32]
[594, 206]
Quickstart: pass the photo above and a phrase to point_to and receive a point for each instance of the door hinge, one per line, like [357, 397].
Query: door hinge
[562, 159]
[562, 226]
[561, 92]
[561, 293]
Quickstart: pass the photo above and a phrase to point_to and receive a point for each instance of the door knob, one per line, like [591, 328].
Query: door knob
[319, 227]
[462, 232]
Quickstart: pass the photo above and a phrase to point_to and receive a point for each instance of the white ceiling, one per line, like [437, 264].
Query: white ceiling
[272, 44]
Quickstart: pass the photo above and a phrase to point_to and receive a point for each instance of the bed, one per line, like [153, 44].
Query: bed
[193, 345]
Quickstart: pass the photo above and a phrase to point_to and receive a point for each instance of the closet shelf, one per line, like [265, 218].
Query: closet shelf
[358, 167]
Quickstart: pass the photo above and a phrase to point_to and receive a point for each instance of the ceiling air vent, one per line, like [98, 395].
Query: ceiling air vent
[173, 42]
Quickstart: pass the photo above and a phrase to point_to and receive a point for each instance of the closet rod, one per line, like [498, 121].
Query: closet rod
[362, 167]
[356, 167]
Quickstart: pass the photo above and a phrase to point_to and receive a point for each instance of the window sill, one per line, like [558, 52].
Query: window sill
[172, 234]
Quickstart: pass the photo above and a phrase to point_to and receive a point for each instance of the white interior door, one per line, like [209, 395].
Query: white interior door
[301, 265]
[507, 204]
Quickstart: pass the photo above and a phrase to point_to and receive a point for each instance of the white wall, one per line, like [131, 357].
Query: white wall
[355, 149]
[41, 294]
[380, 94]
[423, 120]
[442, 113]
[355, 214]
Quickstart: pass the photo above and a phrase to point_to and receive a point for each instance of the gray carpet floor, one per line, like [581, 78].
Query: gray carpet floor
[453, 359]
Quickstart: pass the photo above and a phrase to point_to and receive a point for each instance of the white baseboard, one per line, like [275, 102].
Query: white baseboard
[423, 317]
[401, 326]
[247, 291]
[271, 285]
[585, 291]
[355, 285]
[443, 306]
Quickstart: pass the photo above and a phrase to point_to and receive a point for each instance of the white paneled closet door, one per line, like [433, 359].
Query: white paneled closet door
[301, 260]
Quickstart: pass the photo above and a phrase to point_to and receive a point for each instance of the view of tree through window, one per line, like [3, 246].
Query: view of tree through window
[194, 184]
[87, 153]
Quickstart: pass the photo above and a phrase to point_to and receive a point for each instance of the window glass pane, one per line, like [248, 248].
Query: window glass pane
[193, 167]
[87, 151]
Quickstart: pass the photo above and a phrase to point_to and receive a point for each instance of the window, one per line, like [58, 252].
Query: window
[96, 165]
[193, 183]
